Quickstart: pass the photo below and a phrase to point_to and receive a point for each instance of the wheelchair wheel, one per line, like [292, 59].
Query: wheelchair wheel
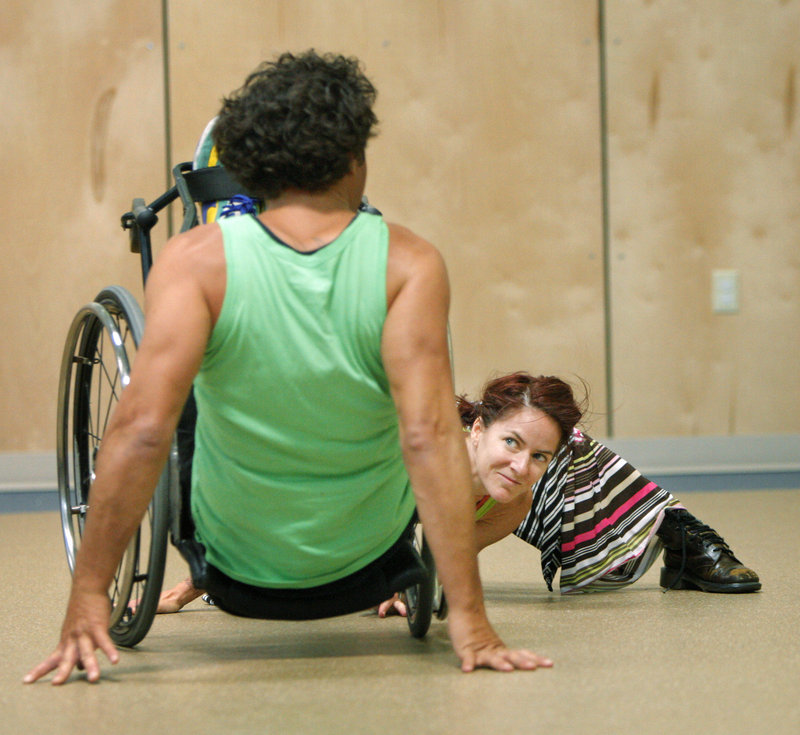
[95, 368]
[419, 599]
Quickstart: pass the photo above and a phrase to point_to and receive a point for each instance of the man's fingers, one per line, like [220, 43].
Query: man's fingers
[528, 660]
[69, 658]
[86, 647]
[37, 672]
[80, 654]
[468, 661]
[496, 660]
[107, 646]
[504, 659]
[542, 661]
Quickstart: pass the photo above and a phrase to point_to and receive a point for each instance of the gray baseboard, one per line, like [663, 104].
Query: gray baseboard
[763, 462]
[711, 454]
[28, 482]
[29, 501]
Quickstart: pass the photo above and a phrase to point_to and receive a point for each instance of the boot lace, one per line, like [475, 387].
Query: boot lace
[701, 530]
[689, 525]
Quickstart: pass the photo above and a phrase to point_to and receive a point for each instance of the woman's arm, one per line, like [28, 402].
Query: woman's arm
[502, 520]
[498, 523]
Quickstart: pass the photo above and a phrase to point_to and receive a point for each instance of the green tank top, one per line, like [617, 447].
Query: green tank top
[298, 478]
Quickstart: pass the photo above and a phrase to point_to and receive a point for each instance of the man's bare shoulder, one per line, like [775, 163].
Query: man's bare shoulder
[413, 260]
[406, 248]
[203, 241]
[403, 237]
[196, 255]
[191, 263]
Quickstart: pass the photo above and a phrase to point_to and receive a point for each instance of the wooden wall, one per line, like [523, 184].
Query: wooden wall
[490, 146]
[82, 134]
[704, 174]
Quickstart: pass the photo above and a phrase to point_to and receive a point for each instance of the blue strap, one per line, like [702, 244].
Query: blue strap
[239, 204]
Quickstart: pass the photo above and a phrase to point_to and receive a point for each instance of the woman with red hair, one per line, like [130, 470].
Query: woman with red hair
[585, 508]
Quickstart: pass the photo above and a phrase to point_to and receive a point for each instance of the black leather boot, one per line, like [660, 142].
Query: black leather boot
[697, 557]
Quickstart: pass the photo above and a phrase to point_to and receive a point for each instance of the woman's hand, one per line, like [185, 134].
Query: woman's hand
[393, 606]
[174, 600]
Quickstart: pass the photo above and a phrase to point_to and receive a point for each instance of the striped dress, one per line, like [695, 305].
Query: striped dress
[595, 516]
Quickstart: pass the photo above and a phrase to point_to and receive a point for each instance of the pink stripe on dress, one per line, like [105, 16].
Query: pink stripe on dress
[624, 508]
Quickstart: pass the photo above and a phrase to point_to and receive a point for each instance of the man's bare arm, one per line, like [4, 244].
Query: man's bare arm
[416, 359]
[134, 450]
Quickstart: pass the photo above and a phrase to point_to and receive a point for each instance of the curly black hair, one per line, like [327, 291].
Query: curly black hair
[297, 122]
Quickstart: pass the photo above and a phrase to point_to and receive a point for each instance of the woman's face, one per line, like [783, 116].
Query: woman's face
[511, 454]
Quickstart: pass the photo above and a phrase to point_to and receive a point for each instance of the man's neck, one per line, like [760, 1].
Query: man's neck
[308, 221]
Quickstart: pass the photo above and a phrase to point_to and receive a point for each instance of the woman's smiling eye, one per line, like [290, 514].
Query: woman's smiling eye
[540, 457]
[510, 441]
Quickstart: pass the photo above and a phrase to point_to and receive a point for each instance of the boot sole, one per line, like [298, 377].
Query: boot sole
[670, 579]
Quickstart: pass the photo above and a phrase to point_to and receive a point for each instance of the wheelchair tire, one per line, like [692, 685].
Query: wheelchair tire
[95, 368]
[419, 599]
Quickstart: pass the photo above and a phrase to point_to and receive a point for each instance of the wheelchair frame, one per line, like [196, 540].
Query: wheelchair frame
[95, 368]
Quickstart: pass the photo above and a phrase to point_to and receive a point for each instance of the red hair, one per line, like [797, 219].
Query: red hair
[515, 391]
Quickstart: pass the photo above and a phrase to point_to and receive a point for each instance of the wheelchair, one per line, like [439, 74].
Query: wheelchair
[99, 350]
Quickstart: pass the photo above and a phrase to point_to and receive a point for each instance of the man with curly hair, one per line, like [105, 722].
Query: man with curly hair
[315, 335]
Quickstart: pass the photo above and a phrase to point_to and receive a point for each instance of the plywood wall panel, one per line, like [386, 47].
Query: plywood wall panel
[82, 130]
[489, 147]
[704, 174]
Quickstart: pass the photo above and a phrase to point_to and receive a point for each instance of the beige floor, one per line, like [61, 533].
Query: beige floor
[633, 661]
